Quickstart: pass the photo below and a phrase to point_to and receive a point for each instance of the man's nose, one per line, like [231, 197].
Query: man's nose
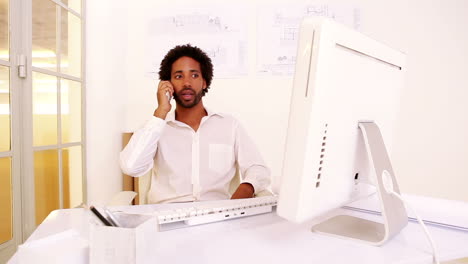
[187, 83]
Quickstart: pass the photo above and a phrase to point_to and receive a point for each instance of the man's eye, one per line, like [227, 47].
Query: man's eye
[178, 76]
[195, 75]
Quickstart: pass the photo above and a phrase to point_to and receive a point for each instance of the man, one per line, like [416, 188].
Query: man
[192, 151]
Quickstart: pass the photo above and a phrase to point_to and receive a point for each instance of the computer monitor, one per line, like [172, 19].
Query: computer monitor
[344, 105]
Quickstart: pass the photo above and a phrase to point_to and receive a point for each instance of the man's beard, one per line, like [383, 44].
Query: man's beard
[197, 99]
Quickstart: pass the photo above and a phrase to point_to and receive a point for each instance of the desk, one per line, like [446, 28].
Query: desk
[270, 239]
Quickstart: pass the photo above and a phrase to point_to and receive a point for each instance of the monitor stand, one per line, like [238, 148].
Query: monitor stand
[393, 211]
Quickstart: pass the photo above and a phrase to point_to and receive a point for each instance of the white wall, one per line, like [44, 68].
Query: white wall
[432, 153]
[430, 156]
[106, 49]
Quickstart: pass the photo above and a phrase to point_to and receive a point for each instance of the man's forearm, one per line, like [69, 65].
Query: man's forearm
[160, 113]
[138, 156]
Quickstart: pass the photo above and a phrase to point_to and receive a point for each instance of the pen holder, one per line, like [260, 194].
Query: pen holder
[132, 243]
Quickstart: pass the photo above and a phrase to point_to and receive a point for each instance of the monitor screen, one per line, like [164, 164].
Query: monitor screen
[342, 79]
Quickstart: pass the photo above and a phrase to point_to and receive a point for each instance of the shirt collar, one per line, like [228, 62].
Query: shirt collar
[171, 115]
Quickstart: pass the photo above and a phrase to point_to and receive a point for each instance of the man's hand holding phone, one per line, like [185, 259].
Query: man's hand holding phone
[165, 91]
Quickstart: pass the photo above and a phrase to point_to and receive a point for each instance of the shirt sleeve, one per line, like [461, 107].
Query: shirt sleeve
[137, 158]
[251, 164]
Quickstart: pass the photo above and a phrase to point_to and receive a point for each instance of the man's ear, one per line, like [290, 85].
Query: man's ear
[204, 84]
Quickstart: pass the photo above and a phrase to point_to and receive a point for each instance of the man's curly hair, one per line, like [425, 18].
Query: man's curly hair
[193, 52]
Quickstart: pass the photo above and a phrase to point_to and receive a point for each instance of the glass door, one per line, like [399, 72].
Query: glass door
[41, 114]
[10, 222]
[57, 86]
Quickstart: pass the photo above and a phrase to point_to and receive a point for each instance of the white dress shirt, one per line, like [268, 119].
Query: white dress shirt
[193, 165]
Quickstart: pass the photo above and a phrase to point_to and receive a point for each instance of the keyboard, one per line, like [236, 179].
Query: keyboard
[214, 211]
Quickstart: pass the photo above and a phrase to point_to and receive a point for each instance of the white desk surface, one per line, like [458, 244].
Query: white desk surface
[270, 239]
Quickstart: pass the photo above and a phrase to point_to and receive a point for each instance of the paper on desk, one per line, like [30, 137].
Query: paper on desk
[449, 213]
[65, 247]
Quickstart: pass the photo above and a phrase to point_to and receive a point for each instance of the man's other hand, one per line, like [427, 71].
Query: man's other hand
[245, 190]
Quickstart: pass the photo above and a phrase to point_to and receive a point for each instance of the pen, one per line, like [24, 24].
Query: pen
[112, 219]
[99, 215]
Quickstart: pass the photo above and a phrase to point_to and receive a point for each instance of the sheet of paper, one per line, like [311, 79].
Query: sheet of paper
[278, 28]
[63, 247]
[450, 212]
[221, 31]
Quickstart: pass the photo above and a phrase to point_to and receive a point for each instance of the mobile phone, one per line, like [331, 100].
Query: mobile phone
[168, 95]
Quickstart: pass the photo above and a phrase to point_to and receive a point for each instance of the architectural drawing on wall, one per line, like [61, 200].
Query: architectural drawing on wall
[317, 10]
[220, 32]
[203, 20]
[278, 29]
[289, 33]
[218, 54]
